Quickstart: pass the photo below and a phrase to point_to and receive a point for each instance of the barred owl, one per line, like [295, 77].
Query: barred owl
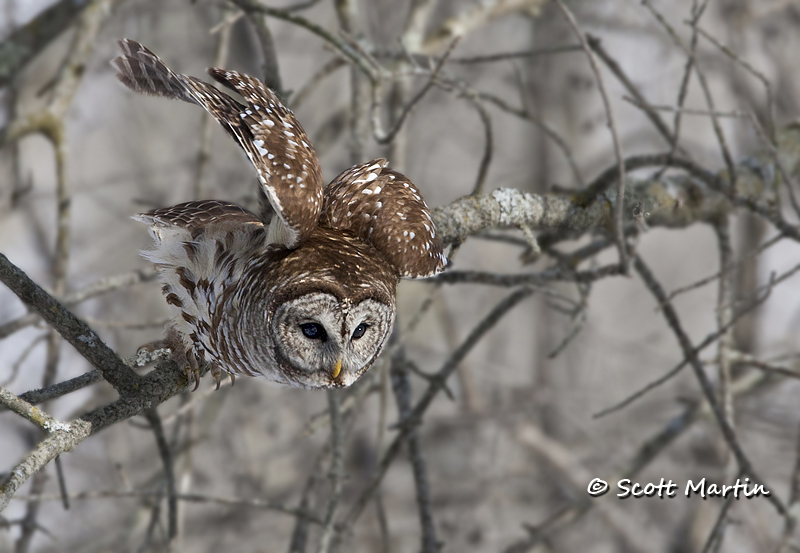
[303, 292]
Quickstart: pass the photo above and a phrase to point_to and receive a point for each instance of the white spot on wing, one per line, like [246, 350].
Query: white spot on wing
[259, 146]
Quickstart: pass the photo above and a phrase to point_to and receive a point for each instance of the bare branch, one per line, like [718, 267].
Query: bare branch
[72, 329]
[402, 391]
[612, 125]
[597, 47]
[71, 299]
[437, 384]
[169, 471]
[336, 472]
[705, 384]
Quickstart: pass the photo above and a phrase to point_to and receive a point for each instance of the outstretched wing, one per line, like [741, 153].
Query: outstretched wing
[267, 131]
[384, 208]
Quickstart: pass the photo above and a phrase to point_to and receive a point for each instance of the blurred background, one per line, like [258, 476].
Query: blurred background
[509, 450]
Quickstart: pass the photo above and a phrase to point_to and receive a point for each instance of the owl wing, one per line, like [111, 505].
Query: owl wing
[385, 209]
[195, 217]
[268, 132]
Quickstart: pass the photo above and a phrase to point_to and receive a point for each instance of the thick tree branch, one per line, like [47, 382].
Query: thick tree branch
[72, 329]
[153, 389]
[673, 201]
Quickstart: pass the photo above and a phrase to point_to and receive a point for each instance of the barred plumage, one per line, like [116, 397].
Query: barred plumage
[302, 293]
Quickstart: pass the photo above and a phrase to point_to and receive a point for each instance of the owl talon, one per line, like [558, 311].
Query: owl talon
[216, 372]
[194, 369]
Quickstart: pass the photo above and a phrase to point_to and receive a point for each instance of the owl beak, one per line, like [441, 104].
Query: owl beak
[337, 368]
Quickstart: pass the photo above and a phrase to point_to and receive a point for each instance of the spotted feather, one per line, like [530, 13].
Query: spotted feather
[270, 135]
[384, 208]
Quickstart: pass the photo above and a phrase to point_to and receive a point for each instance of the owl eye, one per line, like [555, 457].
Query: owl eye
[359, 331]
[314, 331]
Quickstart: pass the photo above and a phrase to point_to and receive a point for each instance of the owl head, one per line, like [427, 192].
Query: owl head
[329, 310]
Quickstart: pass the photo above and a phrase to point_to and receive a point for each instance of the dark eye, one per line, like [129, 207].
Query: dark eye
[359, 331]
[315, 331]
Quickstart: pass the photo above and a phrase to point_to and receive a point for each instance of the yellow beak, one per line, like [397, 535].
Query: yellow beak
[337, 368]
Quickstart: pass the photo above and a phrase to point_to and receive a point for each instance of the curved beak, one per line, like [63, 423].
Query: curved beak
[337, 368]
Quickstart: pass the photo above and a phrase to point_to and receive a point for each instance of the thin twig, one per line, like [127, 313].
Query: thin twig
[612, 124]
[753, 71]
[559, 457]
[557, 273]
[192, 498]
[299, 97]
[687, 73]
[488, 144]
[386, 137]
[524, 54]
[750, 361]
[402, 391]
[597, 47]
[705, 384]
[347, 50]
[692, 64]
[336, 473]
[434, 387]
[169, 471]
[794, 495]
[62, 482]
[735, 113]
[703, 281]
[714, 540]
[548, 130]
[270, 71]
[707, 341]
[347, 13]
[207, 134]
[725, 317]
[21, 359]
